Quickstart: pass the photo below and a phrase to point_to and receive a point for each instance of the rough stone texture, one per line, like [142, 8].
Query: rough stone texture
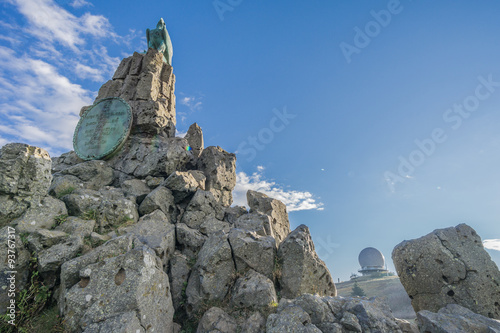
[65, 161]
[77, 226]
[211, 225]
[190, 240]
[449, 266]
[407, 326]
[155, 231]
[160, 198]
[9, 238]
[253, 290]
[301, 269]
[253, 251]
[64, 184]
[81, 201]
[134, 280]
[216, 320]
[258, 223]
[184, 184]
[143, 156]
[256, 323]
[202, 205]
[135, 188]
[40, 216]
[261, 203]
[212, 274]
[194, 136]
[71, 268]
[42, 239]
[179, 273]
[317, 309]
[219, 167]
[51, 259]
[93, 174]
[372, 315]
[290, 318]
[455, 318]
[114, 209]
[231, 214]
[123, 323]
[25, 178]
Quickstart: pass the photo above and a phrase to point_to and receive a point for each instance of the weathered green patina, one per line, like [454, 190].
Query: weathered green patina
[102, 129]
[159, 39]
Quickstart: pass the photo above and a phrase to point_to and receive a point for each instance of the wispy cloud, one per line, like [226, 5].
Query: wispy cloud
[80, 3]
[492, 244]
[191, 102]
[294, 200]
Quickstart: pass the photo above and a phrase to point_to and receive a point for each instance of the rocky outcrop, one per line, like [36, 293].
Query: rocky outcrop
[25, 178]
[449, 266]
[455, 318]
[194, 136]
[301, 269]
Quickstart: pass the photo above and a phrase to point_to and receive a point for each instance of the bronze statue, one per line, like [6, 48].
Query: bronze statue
[159, 39]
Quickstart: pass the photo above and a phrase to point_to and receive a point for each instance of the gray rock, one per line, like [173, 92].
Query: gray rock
[216, 320]
[179, 273]
[211, 225]
[202, 205]
[213, 273]
[190, 240]
[155, 231]
[290, 318]
[12, 206]
[66, 160]
[154, 182]
[123, 69]
[253, 290]
[455, 318]
[115, 209]
[261, 203]
[93, 174]
[253, 251]
[64, 184]
[97, 238]
[51, 259]
[372, 316]
[259, 223]
[136, 188]
[301, 269]
[350, 322]
[185, 184]
[77, 226]
[41, 216]
[317, 309]
[122, 323]
[194, 136]
[406, 326]
[219, 167]
[42, 239]
[231, 214]
[10, 238]
[160, 198]
[256, 323]
[82, 201]
[25, 170]
[130, 282]
[449, 266]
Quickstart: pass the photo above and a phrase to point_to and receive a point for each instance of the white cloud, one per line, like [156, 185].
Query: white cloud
[80, 3]
[86, 72]
[191, 102]
[50, 22]
[180, 134]
[492, 244]
[294, 200]
[260, 168]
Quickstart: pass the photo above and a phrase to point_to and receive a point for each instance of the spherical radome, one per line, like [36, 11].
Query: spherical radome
[371, 257]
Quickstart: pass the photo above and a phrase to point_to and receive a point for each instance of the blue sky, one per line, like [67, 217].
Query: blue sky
[375, 121]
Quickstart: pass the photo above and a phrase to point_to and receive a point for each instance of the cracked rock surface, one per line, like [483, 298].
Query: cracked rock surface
[449, 266]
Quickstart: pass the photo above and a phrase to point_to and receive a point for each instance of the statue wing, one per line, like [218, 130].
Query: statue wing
[168, 43]
[147, 36]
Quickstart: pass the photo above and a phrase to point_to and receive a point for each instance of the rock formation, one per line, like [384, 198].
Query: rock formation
[449, 266]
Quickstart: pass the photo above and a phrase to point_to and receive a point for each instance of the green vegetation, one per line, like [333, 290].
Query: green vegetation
[66, 191]
[31, 303]
[59, 219]
[89, 215]
[357, 290]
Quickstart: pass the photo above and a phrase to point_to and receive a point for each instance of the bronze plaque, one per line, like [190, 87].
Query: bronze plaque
[102, 129]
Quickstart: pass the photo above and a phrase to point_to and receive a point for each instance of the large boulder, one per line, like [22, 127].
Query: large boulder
[253, 251]
[290, 318]
[219, 167]
[275, 209]
[455, 318]
[253, 290]
[217, 320]
[449, 266]
[178, 274]
[202, 206]
[213, 273]
[160, 198]
[133, 281]
[301, 269]
[194, 136]
[41, 216]
[184, 184]
[25, 177]
[92, 174]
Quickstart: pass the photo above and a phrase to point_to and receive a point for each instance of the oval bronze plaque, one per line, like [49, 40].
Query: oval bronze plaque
[102, 129]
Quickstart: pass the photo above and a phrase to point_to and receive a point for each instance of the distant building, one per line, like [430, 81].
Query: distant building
[372, 261]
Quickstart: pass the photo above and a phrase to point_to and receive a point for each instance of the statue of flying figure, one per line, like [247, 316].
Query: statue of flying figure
[160, 40]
